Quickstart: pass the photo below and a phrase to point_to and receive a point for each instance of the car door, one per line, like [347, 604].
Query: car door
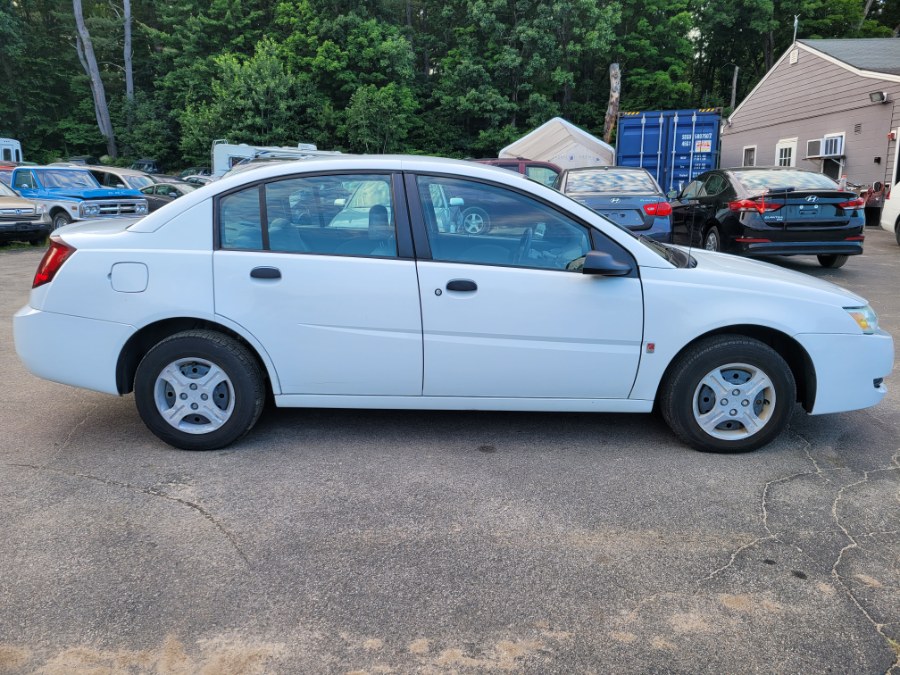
[334, 319]
[684, 214]
[508, 315]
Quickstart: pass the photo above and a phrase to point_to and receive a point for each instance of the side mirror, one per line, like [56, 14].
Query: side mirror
[340, 202]
[603, 264]
[457, 201]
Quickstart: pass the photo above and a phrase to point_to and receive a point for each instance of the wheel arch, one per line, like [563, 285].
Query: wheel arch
[791, 351]
[145, 338]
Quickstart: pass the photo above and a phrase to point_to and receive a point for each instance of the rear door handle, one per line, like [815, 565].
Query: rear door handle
[466, 285]
[265, 273]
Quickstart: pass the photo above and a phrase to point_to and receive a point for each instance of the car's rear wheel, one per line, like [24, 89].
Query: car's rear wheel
[59, 219]
[728, 393]
[199, 390]
[897, 231]
[713, 240]
[832, 261]
[476, 220]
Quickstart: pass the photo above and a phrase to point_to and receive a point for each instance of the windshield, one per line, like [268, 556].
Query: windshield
[6, 192]
[606, 180]
[67, 179]
[779, 178]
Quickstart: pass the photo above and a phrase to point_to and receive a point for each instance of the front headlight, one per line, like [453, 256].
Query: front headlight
[141, 208]
[90, 209]
[865, 318]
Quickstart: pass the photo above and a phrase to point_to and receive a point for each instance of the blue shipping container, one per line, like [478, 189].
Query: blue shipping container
[675, 146]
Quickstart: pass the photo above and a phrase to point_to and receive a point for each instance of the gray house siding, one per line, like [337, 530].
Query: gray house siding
[811, 99]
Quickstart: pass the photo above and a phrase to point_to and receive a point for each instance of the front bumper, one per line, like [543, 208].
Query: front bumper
[849, 369]
[88, 357]
[23, 231]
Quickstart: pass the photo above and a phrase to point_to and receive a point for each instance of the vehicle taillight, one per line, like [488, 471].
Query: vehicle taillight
[758, 205]
[658, 209]
[853, 204]
[53, 259]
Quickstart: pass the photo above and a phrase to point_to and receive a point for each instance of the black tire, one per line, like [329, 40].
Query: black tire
[59, 219]
[687, 401]
[712, 240]
[475, 220]
[38, 242]
[832, 261]
[236, 401]
[897, 231]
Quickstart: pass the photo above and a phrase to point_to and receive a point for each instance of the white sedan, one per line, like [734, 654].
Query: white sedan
[256, 285]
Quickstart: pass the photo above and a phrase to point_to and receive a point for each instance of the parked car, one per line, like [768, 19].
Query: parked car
[160, 194]
[195, 171]
[147, 165]
[72, 193]
[117, 177]
[890, 214]
[545, 173]
[760, 211]
[626, 196]
[584, 317]
[21, 219]
[198, 180]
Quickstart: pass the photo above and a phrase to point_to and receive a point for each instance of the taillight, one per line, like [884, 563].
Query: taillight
[53, 259]
[658, 209]
[853, 204]
[758, 205]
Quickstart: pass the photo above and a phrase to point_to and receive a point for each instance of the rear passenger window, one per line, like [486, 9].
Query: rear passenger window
[345, 214]
[240, 226]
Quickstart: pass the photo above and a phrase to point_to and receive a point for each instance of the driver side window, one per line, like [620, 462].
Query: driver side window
[477, 223]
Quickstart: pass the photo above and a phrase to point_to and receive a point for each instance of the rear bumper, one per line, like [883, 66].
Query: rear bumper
[800, 248]
[90, 354]
[855, 366]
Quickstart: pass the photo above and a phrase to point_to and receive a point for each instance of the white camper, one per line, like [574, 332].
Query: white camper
[225, 155]
[10, 150]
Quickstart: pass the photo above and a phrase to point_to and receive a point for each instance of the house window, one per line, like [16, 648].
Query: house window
[749, 156]
[786, 152]
[833, 145]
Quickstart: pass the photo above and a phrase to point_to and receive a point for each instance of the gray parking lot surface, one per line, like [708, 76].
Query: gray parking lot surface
[337, 541]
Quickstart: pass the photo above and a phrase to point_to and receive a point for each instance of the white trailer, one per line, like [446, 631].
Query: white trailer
[10, 150]
[225, 155]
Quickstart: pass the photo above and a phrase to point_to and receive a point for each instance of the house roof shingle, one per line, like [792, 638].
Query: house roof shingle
[879, 55]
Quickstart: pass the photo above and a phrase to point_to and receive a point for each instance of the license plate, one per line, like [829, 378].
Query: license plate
[809, 210]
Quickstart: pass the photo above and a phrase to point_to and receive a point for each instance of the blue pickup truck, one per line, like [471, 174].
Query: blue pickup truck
[69, 193]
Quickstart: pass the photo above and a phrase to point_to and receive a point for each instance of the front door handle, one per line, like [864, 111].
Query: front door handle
[465, 285]
[265, 273]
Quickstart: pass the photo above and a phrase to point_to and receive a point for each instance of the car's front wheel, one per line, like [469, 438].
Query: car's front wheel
[199, 390]
[59, 219]
[897, 231]
[832, 261]
[728, 393]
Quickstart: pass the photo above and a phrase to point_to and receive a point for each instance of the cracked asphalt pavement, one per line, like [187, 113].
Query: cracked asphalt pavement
[339, 541]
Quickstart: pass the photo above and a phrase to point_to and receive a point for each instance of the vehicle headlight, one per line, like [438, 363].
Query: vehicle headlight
[90, 209]
[865, 318]
[141, 208]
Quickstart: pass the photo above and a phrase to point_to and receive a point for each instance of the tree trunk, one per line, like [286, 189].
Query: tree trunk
[89, 61]
[612, 111]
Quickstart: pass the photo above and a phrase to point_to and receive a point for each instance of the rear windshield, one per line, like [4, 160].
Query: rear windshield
[771, 180]
[605, 180]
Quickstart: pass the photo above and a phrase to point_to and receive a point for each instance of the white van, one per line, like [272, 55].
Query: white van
[10, 150]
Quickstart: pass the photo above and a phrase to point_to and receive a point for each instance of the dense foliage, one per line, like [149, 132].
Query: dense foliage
[452, 77]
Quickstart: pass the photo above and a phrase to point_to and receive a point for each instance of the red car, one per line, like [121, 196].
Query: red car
[542, 172]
